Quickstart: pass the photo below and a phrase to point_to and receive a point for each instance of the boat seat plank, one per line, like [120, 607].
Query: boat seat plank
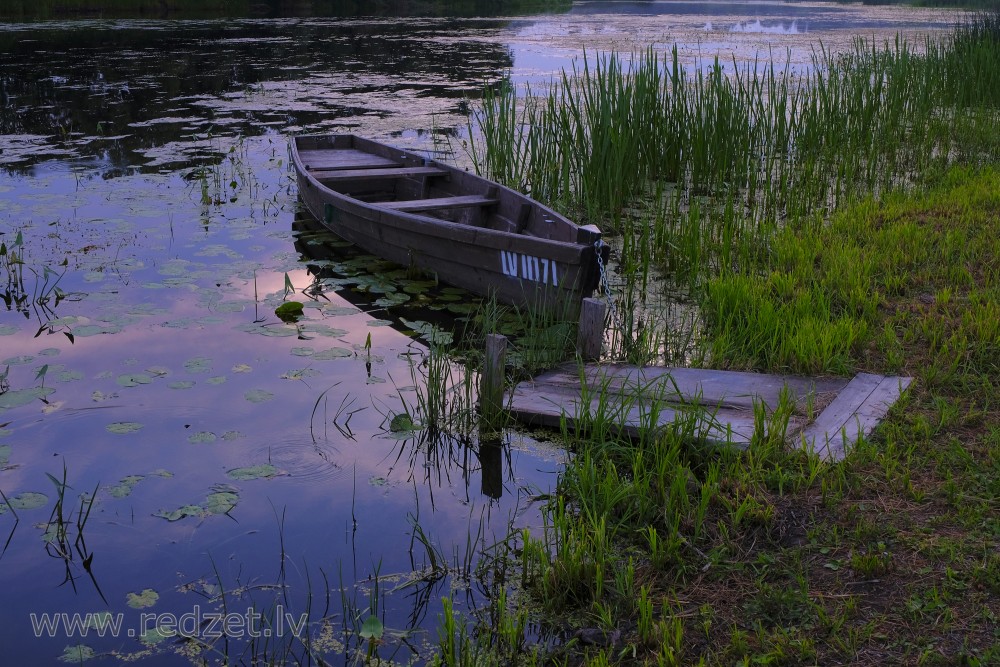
[376, 173]
[347, 158]
[438, 203]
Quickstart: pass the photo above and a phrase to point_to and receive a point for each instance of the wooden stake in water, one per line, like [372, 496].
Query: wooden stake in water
[492, 380]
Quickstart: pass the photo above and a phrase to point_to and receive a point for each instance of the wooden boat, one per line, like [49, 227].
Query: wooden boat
[469, 231]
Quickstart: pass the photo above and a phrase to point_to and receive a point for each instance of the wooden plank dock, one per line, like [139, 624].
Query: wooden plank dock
[829, 414]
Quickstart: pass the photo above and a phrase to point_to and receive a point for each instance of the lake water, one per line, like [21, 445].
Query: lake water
[229, 461]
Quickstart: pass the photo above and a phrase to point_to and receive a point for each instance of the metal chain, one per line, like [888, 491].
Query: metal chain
[606, 288]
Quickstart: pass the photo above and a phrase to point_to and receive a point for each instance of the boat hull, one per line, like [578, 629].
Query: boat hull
[523, 269]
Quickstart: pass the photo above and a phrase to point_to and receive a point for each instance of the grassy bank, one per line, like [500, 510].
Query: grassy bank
[832, 223]
[659, 552]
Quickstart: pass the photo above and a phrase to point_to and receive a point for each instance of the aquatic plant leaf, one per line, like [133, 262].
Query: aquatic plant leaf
[217, 380]
[221, 502]
[76, 654]
[390, 300]
[289, 311]
[372, 628]
[4, 455]
[154, 636]
[299, 374]
[18, 360]
[202, 437]
[181, 384]
[49, 352]
[133, 379]
[302, 351]
[198, 365]
[28, 500]
[336, 311]
[8, 330]
[242, 368]
[258, 395]
[333, 353]
[232, 435]
[86, 330]
[402, 423]
[122, 428]
[147, 598]
[323, 330]
[69, 376]
[378, 480]
[263, 471]
[18, 397]
[278, 330]
[124, 487]
[180, 512]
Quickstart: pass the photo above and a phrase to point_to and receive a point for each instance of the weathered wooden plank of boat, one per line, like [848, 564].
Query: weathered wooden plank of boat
[344, 158]
[459, 201]
[375, 173]
[712, 387]
[854, 414]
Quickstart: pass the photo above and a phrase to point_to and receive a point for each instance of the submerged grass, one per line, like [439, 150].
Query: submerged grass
[866, 241]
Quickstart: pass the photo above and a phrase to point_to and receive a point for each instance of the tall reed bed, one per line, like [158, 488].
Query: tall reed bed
[696, 166]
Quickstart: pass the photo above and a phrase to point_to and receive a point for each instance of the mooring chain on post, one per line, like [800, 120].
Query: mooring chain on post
[616, 318]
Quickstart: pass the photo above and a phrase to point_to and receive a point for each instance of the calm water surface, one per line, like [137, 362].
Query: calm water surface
[230, 460]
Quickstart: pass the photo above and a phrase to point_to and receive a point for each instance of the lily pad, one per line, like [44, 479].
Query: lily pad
[221, 502]
[181, 384]
[147, 598]
[242, 368]
[86, 330]
[18, 360]
[198, 365]
[4, 455]
[122, 428]
[333, 353]
[202, 437]
[279, 330]
[232, 435]
[401, 423]
[18, 397]
[76, 654]
[124, 487]
[263, 471]
[180, 512]
[154, 636]
[7, 330]
[28, 500]
[133, 379]
[217, 380]
[303, 351]
[289, 311]
[258, 396]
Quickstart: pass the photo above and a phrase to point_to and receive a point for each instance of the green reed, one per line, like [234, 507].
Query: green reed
[697, 167]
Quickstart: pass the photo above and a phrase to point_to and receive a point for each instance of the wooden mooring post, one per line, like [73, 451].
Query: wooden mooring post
[590, 334]
[492, 379]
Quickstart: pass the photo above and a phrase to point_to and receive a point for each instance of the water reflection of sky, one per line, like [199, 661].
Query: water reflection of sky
[108, 148]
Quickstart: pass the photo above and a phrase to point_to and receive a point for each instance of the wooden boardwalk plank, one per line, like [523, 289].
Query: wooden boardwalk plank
[633, 399]
[853, 414]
